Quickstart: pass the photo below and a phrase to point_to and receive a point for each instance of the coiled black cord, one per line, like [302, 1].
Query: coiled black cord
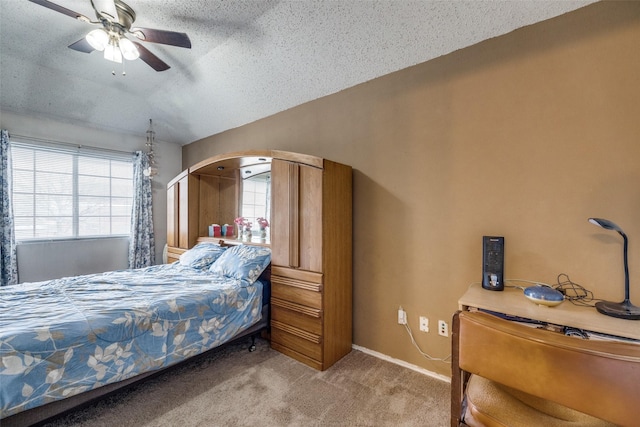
[574, 292]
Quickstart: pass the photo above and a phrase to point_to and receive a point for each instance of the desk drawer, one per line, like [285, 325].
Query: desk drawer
[296, 315]
[297, 291]
[296, 339]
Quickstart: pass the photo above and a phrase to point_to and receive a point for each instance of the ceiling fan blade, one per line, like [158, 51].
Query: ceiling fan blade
[82, 45]
[161, 36]
[61, 9]
[106, 7]
[151, 60]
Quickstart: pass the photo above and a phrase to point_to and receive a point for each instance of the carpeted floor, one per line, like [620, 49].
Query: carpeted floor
[234, 387]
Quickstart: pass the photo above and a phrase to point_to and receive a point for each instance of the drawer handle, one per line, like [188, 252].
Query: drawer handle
[316, 339]
[313, 312]
[316, 287]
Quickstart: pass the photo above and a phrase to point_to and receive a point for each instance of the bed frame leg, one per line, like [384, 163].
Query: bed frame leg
[252, 347]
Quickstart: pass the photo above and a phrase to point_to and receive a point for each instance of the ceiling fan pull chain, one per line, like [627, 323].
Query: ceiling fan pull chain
[124, 73]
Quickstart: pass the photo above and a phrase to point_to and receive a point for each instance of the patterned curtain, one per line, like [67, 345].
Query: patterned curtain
[141, 244]
[8, 252]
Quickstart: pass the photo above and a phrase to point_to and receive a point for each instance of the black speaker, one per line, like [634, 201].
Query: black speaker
[493, 263]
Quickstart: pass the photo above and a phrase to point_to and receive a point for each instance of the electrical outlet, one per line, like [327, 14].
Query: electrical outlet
[402, 316]
[443, 328]
[424, 324]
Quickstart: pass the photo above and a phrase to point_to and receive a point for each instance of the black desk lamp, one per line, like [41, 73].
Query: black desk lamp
[624, 309]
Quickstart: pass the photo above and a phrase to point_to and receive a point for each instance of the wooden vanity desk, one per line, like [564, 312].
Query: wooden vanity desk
[512, 302]
[528, 372]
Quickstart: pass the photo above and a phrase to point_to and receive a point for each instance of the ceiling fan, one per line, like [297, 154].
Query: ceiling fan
[116, 18]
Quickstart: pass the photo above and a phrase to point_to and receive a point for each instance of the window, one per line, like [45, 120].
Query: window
[70, 193]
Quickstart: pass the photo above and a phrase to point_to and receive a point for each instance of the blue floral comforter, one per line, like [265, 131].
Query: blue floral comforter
[63, 337]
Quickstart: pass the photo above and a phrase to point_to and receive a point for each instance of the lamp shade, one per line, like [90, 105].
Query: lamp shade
[606, 224]
[112, 52]
[98, 39]
[128, 49]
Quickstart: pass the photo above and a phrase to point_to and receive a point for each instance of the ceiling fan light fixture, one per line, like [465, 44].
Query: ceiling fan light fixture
[128, 49]
[98, 39]
[116, 18]
[112, 51]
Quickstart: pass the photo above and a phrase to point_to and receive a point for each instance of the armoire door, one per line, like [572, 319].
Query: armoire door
[172, 215]
[182, 209]
[297, 220]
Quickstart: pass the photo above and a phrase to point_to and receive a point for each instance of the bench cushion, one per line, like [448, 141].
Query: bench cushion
[491, 404]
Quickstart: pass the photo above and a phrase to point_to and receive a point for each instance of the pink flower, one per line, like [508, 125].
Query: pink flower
[262, 222]
[240, 220]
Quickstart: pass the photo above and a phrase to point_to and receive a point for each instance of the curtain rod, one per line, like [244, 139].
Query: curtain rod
[68, 144]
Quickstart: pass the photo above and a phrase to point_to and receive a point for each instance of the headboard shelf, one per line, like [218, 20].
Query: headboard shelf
[228, 241]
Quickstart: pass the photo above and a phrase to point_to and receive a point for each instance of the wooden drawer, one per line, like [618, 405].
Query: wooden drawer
[296, 339]
[315, 364]
[173, 254]
[296, 291]
[297, 274]
[296, 315]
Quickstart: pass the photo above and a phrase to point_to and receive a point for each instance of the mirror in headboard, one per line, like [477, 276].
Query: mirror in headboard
[255, 196]
[229, 186]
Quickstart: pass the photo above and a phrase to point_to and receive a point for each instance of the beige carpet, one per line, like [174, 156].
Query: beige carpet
[234, 387]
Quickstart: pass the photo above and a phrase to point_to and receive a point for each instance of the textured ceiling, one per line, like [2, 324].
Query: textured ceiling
[249, 59]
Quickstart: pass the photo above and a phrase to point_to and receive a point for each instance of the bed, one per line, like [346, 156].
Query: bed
[67, 340]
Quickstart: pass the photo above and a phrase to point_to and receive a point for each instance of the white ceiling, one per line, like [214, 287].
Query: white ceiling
[249, 59]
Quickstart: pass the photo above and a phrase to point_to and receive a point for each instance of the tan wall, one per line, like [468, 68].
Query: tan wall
[524, 136]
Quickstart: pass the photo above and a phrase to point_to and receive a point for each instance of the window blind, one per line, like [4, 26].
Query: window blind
[61, 191]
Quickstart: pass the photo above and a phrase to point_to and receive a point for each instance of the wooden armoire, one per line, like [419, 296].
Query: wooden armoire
[310, 240]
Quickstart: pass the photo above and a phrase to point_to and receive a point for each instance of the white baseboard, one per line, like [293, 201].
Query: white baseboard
[402, 363]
